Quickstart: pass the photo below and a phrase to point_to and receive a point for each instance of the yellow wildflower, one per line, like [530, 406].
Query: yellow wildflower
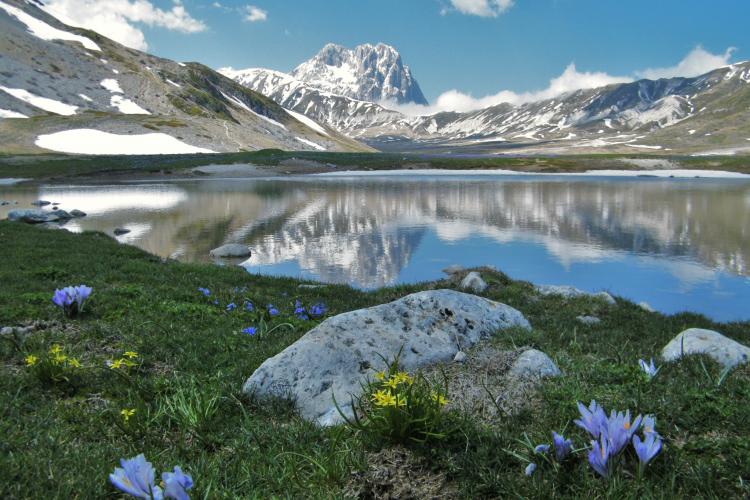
[127, 363]
[384, 398]
[116, 364]
[55, 349]
[380, 376]
[31, 360]
[439, 399]
[404, 378]
[59, 358]
[131, 354]
[126, 414]
[400, 400]
[392, 382]
[74, 363]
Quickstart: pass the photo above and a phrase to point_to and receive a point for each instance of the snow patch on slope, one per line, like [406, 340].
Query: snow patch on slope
[40, 102]
[309, 122]
[126, 106]
[44, 31]
[311, 143]
[97, 142]
[6, 113]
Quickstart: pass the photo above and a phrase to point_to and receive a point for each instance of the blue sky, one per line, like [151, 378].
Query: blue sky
[478, 47]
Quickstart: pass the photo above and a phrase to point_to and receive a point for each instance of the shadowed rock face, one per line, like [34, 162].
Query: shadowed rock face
[334, 358]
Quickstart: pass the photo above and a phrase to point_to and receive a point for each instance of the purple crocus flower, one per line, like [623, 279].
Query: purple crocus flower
[620, 430]
[541, 448]
[649, 369]
[562, 446]
[299, 310]
[317, 310]
[649, 425]
[205, 291]
[593, 419]
[272, 310]
[231, 306]
[136, 478]
[599, 455]
[81, 293]
[648, 449]
[61, 299]
[176, 484]
[248, 306]
[250, 330]
[529, 470]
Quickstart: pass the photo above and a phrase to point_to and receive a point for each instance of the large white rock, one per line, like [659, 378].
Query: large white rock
[699, 341]
[231, 250]
[335, 357]
[474, 282]
[571, 292]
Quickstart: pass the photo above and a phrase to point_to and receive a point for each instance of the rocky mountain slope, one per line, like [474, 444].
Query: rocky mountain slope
[706, 114]
[73, 90]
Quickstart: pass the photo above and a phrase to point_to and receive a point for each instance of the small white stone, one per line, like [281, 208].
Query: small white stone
[460, 357]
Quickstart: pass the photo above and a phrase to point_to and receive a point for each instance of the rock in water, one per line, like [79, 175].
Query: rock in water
[77, 213]
[41, 203]
[119, 231]
[230, 250]
[572, 292]
[334, 358]
[37, 216]
[474, 282]
[533, 364]
[699, 341]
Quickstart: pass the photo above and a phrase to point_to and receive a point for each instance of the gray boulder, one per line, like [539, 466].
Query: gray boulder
[474, 282]
[646, 307]
[230, 250]
[38, 216]
[533, 364]
[334, 358]
[588, 320]
[572, 292]
[724, 350]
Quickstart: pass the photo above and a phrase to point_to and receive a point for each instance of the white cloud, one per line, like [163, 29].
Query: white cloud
[117, 19]
[255, 14]
[454, 100]
[482, 8]
[697, 62]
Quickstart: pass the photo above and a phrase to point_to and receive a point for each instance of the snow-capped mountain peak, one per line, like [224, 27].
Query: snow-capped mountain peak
[367, 72]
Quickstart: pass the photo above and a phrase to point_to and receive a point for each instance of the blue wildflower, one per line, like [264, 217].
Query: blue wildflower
[299, 310]
[649, 369]
[176, 484]
[648, 449]
[248, 306]
[649, 425]
[620, 430]
[205, 291]
[541, 448]
[231, 306]
[599, 456]
[71, 298]
[61, 299]
[216, 302]
[250, 330]
[136, 478]
[272, 310]
[530, 469]
[318, 310]
[562, 446]
[592, 420]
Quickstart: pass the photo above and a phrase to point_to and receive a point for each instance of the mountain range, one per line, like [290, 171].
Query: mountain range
[73, 90]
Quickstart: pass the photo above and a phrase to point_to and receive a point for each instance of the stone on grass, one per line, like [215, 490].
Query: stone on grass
[451, 270]
[474, 282]
[460, 357]
[231, 250]
[569, 292]
[646, 307]
[588, 320]
[309, 286]
[336, 357]
[533, 364]
[37, 216]
[723, 350]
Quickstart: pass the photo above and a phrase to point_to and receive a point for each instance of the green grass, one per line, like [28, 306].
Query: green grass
[59, 166]
[62, 441]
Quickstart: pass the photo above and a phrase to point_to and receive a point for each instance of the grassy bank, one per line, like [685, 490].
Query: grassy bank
[58, 166]
[60, 440]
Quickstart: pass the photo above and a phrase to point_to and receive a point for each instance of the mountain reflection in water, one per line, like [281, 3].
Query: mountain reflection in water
[678, 243]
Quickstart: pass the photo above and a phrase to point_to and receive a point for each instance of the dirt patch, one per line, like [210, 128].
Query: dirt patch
[396, 473]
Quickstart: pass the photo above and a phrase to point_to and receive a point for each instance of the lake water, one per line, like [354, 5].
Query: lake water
[678, 244]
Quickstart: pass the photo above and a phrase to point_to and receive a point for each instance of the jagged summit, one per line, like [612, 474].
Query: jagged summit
[367, 73]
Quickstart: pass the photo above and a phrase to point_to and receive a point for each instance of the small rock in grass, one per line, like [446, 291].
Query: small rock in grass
[451, 270]
[474, 282]
[460, 357]
[309, 286]
[533, 364]
[722, 349]
[572, 292]
[646, 307]
[588, 320]
[231, 250]
[119, 231]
